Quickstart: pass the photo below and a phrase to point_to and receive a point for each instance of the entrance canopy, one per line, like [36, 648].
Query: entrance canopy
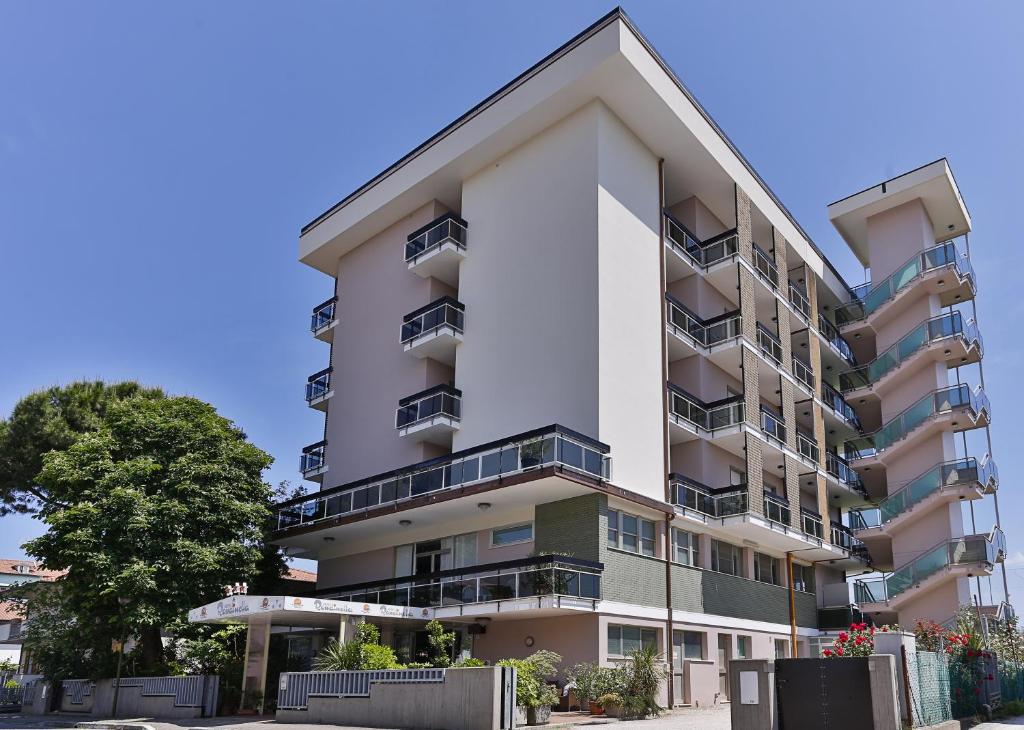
[297, 611]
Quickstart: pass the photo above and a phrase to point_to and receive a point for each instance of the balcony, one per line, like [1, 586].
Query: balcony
[698, 498]
[692, 418]
[836, 466]
[318, 389]
[689, 334]
[958, 343]
[961, 556]
[951, 481]
[958, 408]
[776, 509]
[844, 539]
[835, 340]
[931, 265]
[838, 405]
[807, 446]
[434, 330]
[770, 345]
[766, 267]
[803, 374]
[313, 464]
[798, 299]
[553, 446]
[524, 580]
[431, 415]
[701, 254]
[323, 321]
[811, 523]
[773, 426]
[437, 249]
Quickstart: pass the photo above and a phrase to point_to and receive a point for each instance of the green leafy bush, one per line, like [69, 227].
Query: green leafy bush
[531, 690]
[362, 652]
[469, 661]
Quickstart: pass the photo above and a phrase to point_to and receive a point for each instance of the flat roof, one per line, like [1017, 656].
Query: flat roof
[933, 183]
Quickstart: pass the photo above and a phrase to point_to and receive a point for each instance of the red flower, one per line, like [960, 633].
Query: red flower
[859, 640]
[828, 652]
[989, 677]
[843, 636]
[839, 650]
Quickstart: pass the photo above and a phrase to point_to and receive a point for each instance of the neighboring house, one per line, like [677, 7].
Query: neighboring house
[590, 387]
[17, 572]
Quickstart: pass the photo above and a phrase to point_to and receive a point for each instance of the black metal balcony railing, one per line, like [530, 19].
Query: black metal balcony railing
[776, 509]
[769, 344]
[831, 334]
[708, 416]
[323, 314]
[807, 446]
[772, 425]
[798, 298]
[443, 312]
[318, 385]
[549, 446]
[721, 502]
[845, 474]
[441, 400]
[539, 576]
[312, 457]
[811, 523]
[844, 538]
[765, 266]
[834, 400]
[802, 372]
[703, 253]
[703, 332]
[449, 228]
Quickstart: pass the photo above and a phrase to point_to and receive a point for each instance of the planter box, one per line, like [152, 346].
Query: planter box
[538, 715]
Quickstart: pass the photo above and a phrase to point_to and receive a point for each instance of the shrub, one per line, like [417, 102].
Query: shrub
[859, 641]
[644, 673]
[469, 662]
[362, 652]
[610, 699]
[441, 643]
[584, 678]
[531, 690]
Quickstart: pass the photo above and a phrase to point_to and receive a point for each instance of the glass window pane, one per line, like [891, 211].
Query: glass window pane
[512, 534]
[570, 454]
[692, 645]
[630, 639]
[615, 640]
[490, 464]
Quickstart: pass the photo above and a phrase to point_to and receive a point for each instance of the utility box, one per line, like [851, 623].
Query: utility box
[752, 694]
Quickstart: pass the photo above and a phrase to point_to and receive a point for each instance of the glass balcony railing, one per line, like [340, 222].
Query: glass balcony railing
[323, 315]
[772, 425]
[769, 343]
[542, 575]
[318, 385]
[831, 333]
[312, 458]
[969, 550]
[807, 446]
[811, 523]
[836, 466]
[961, 472]
[933, 404]
[441, 400]
[844, 538]
[708, 416]
[776, 509]
[704, 333]
[721, 502]
[443, 312]
[449, 228]
[931, 330]
[834, 400]
[765, 266]
[702, 253]
[941, 255]
[551, 446]
[798, 298]
[802, 372]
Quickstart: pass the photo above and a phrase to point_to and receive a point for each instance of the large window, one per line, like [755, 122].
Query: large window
[631, 533]
[624, 640]
[687, 645]
[743, 647]
[803, 578]
[766, 569]
[512, 534]
[684, 547]
[726, 558]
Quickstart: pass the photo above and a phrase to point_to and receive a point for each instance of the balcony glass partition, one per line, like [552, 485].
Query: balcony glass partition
[447, 402]
[448, 229]
[445, 312]
[323, 314]
[843, 537]
[807, 446]
[968, 550]
[708, 416]
[765, 266]
[929, 331]
[811, 523]
[702, 253]
[943, 254]
[722, 502]
[772, 425]
[843, 472]
[312, 457]
[769, 343]
[776, 509]
[551, 447]
[831, 334]
[318, 385]
[544, 575]
[802, 372]
[705, 333]
[834, 400]
[937, 402]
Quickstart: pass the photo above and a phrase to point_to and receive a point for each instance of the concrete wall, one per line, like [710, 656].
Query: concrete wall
[576, 638]
[131, 701]
[468, 699]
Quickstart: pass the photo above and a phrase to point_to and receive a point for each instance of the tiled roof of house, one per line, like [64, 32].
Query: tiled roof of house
[299, 574]
[15, 568]
[9, 611]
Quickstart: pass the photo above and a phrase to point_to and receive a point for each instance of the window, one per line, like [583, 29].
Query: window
[737, 477]
[726, 558]
[803, 578]
[781, 648]
[687, 645]
[624, 640]
[512, 534]
[743, 647]
[684, 547]
[766, 569]
[631, 533]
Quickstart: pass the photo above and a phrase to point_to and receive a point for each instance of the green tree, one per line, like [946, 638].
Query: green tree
[52, 420]
[441, 643]
[161, 506]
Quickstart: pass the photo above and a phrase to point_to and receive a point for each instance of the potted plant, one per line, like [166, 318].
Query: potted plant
[611, 703]
[584, 680]
[539, 711]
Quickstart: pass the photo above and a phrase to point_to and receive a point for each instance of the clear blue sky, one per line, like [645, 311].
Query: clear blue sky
[157, 162]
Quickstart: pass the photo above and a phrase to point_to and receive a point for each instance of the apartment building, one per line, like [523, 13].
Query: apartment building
[588, 385]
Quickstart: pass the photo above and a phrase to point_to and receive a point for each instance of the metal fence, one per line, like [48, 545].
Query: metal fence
[295, 688]
[76, 690]
[189, 691]
[11, 696]
[928, 675]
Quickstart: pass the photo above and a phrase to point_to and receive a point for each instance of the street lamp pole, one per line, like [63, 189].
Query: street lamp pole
[122, 602]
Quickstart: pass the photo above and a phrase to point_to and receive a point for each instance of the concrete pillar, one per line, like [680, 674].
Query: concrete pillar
[257, 648]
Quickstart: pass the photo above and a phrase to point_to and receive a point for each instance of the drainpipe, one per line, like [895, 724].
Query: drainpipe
[792, 606]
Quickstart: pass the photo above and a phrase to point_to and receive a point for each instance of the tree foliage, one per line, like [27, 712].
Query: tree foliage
[52, 420]
[162, 504]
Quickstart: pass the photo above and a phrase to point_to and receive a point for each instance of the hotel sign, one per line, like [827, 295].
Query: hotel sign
[241, 607]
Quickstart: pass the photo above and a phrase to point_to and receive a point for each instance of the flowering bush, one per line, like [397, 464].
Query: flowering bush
[858, 641]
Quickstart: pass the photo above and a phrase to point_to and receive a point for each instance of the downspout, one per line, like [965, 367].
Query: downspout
[666, 458]
[792, 605]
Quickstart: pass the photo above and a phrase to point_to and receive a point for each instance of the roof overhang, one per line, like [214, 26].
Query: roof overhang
[297, 611]
[933, 183]
[610, 61]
